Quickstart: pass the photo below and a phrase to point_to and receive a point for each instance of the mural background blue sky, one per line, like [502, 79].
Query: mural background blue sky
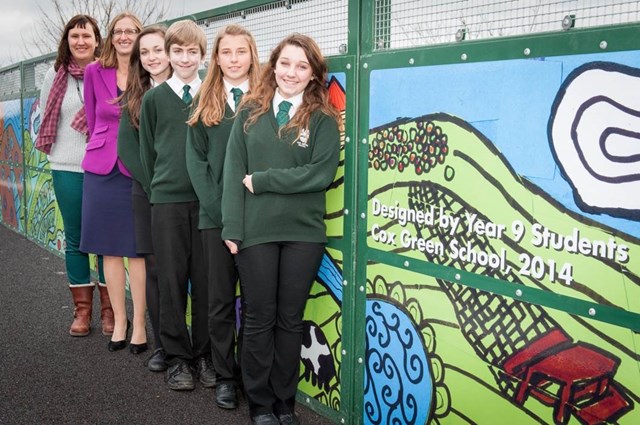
[508, 101]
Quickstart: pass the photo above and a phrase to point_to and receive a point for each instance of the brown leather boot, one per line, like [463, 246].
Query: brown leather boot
[83, 300]
[106, 313]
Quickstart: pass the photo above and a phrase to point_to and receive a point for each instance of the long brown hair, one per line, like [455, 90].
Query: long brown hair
[109, 58]
[64, 52]
[138, 79]
[316, 94]
[212, 97]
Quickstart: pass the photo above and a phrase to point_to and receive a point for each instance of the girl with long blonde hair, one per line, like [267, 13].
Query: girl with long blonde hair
[233, 71]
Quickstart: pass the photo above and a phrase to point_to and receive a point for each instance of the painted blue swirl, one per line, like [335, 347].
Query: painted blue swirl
[398, 381]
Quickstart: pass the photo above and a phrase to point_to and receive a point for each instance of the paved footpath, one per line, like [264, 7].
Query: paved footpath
[49, 377]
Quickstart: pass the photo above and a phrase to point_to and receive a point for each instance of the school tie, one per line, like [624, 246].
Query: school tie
[282, 117]
[186, 96]
[237, 96]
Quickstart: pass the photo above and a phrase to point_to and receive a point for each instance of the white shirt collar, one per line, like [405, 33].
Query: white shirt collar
[176, 85]
[295, 101]
[244, 86]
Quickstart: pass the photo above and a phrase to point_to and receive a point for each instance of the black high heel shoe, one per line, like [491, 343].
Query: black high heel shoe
[119, 345]
[138, 348]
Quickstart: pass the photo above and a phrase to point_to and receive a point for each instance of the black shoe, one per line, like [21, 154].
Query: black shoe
[179, 377]
[205, 372]
[156, 362]
[117, 345]
[268, 419]
[288, 419]
[226, 396]
[120, 345]
[138, 348]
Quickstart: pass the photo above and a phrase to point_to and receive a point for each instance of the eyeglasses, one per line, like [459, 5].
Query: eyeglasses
[128, 32]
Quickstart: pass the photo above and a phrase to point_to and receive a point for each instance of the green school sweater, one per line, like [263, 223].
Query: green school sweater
[206, 149]
[163, 136]
[129, 147]
[290, 178]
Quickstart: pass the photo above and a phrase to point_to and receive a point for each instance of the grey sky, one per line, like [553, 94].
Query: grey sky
[17, 17]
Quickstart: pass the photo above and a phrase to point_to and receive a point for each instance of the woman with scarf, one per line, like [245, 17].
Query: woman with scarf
[63, 137]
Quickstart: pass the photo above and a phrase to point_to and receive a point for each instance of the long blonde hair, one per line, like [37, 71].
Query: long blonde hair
[211, 99]
[109, 57]
[316, 94]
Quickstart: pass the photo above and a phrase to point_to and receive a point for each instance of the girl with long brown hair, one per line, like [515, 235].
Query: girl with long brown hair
[282, 155]
[148, 67]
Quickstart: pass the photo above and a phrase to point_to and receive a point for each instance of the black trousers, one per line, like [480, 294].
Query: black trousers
[153, 297]
[275, 279]
[180, 261]
[223, 279]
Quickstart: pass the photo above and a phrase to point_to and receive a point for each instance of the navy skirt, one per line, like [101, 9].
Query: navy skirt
[107, 215]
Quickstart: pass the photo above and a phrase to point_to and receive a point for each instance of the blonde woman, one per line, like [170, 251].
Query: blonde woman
[107, 217]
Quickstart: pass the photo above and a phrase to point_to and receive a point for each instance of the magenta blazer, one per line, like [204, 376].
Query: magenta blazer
[103, 117]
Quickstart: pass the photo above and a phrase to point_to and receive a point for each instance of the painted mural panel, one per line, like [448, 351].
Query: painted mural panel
[523, 170]
[322, 340]
[442, 352]
[11, 196]
[33, 114]
[11, 186]
[335, 195]
[44, 222]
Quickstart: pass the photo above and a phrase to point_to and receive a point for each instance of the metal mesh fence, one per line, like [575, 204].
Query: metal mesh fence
[10, 82]
[34, 74]
[409, 23]
[324, 20]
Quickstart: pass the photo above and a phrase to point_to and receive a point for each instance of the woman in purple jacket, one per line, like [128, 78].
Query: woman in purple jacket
[107, 214]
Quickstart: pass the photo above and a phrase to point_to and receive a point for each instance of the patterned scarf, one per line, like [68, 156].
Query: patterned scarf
[49, 124]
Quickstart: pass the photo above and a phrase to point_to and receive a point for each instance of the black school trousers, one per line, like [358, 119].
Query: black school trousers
[222, 277]
[180, 264]
[275, 279]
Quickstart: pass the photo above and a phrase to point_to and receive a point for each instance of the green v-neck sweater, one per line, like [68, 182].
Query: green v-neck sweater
[129, 147]
[206, 149]
[290, 175]
[163, 137]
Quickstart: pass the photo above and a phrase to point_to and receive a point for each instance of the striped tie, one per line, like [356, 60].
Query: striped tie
[186, 96]
[282, 117]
